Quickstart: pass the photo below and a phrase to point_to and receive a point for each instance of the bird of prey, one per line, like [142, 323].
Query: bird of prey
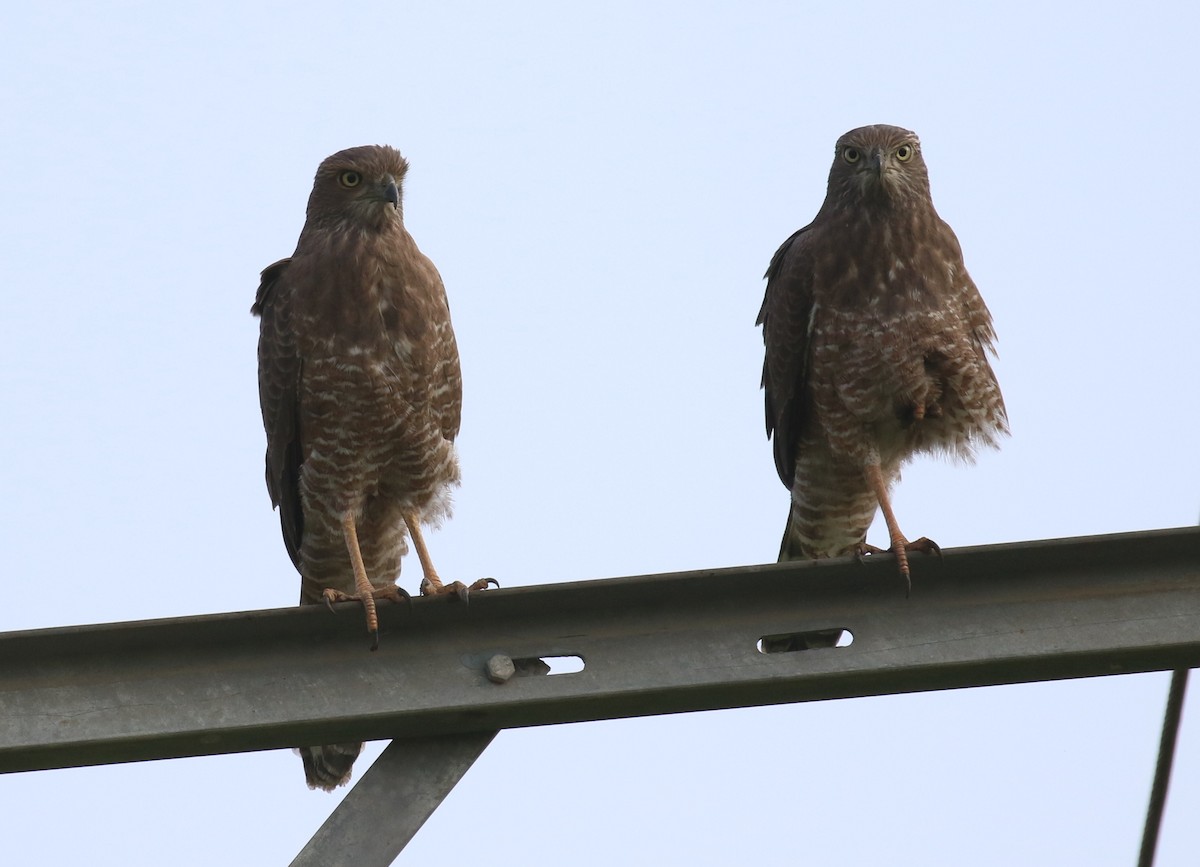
[361, 398]
[877, 347]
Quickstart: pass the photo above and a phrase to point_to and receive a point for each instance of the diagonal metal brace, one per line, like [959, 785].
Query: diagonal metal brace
[391, 802]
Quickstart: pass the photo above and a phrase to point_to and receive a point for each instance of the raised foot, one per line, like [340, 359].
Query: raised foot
[919, 411]
[432, 586]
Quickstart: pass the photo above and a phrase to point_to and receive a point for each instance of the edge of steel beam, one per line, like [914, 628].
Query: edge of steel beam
[656, 644]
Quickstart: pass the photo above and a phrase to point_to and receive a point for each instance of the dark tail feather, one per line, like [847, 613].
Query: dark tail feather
[329, 766]
[789, 548]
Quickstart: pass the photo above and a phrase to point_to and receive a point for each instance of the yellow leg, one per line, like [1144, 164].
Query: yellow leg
[364, 591]
[362, 584]
[900, 546]
[431, 584]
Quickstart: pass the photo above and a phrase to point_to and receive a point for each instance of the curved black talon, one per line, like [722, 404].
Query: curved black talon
[861, 552]
[407, 597]
[464, 592]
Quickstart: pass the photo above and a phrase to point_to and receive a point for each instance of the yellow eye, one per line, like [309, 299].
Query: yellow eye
[851, 155]
[349, 180]
[904, 153]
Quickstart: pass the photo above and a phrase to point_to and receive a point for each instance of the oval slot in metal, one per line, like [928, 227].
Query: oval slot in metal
[813, 639]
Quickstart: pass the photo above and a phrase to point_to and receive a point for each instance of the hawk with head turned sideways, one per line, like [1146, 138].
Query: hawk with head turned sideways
[877, 347]
[361, 398]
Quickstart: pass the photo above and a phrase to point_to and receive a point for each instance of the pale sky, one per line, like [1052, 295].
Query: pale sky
[601, 188]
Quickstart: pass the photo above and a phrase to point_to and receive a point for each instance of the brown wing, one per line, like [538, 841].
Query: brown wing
[448, 400]
[279, 368]
[446, 376]
[786, 320]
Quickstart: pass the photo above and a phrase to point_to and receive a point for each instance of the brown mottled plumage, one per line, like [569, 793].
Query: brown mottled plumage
[876, 348]
[361, 398]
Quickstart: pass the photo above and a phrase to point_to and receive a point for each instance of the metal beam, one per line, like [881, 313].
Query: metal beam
[657, 644]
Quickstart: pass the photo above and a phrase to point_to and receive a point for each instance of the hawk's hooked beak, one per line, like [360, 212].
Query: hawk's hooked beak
[878, 157]
[391, 192]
